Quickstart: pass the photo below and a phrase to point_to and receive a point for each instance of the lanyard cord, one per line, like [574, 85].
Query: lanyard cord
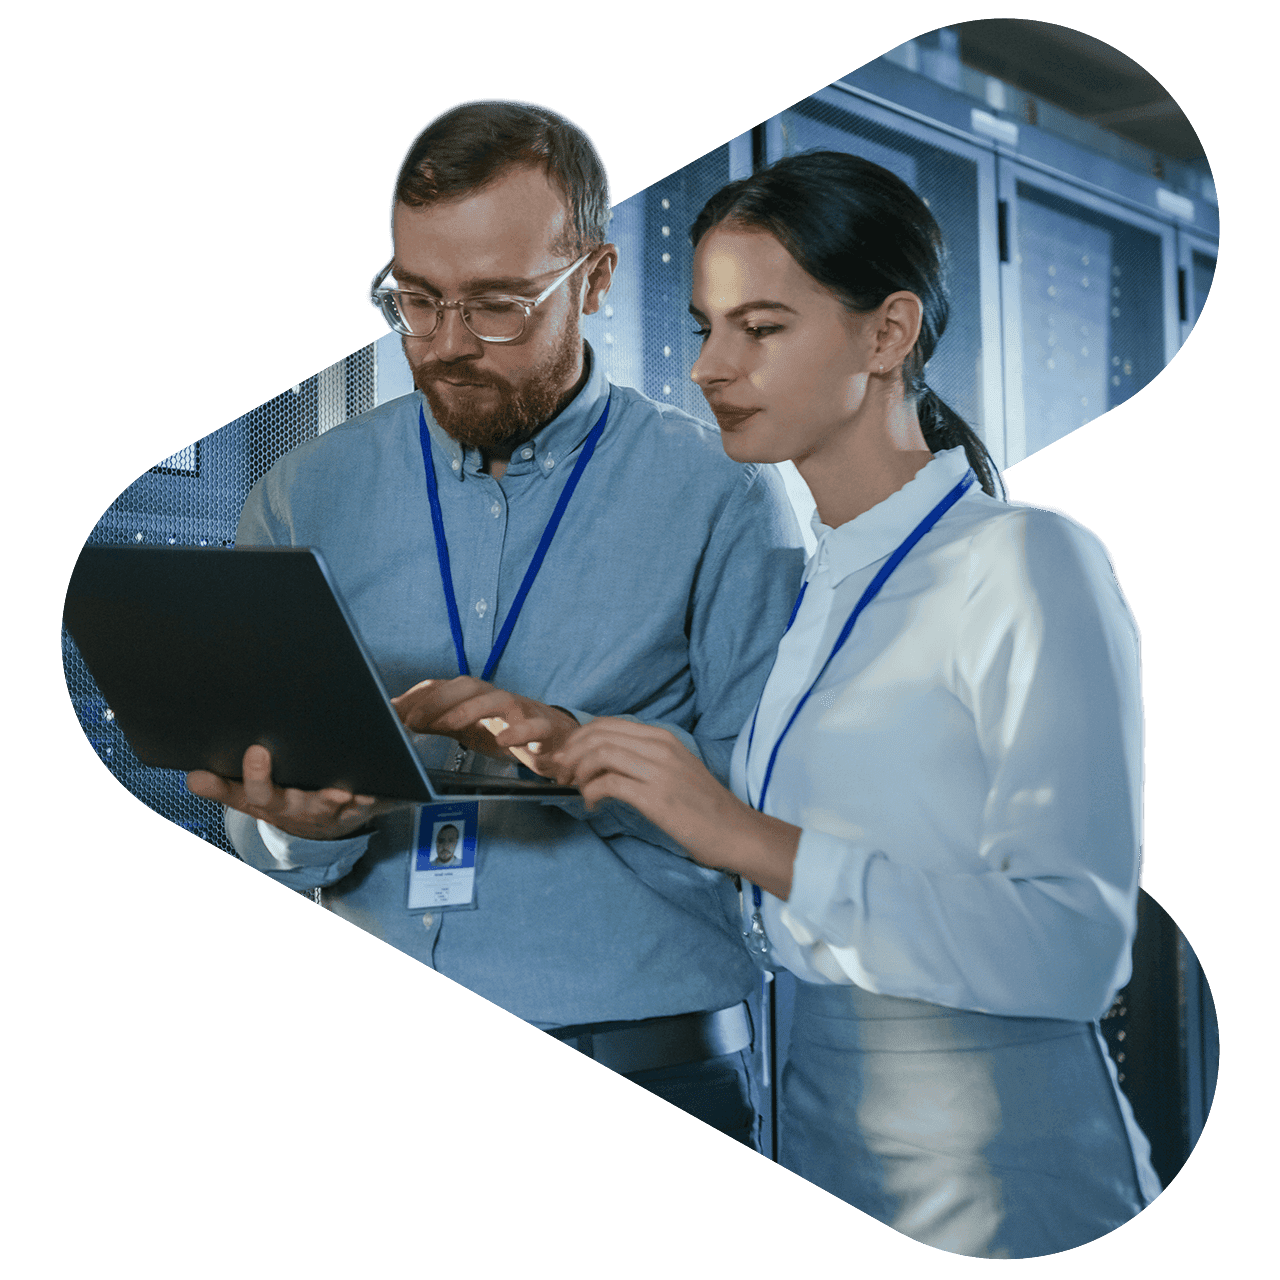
[865, 599]
[442, 546]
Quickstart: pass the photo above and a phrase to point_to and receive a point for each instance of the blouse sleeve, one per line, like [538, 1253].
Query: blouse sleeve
[1046, 662]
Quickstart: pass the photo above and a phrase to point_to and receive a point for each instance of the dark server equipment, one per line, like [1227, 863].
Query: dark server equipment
[1162, 1033]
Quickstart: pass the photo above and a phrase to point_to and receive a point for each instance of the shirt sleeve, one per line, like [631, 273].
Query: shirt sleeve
[264, 518]
[739, 603]
[1046, 663]
[301, 864]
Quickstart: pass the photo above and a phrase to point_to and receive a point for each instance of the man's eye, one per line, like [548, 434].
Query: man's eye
[417, 303]
[492, 306]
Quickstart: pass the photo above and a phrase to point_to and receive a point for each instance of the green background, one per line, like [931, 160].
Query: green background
[209, 1075]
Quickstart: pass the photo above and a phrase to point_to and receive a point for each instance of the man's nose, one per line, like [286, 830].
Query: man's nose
[452, 339]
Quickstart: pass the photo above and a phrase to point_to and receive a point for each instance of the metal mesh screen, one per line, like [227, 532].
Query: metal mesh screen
[1092, 308]
[643, 334]
[193, 498]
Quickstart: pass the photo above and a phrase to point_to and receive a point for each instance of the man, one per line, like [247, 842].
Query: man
[662, 594]
[446, 843]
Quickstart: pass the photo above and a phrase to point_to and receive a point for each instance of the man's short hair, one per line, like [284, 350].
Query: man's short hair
[469, 147]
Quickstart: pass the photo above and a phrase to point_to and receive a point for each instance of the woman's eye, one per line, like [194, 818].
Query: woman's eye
[702, 333]
[762, 330]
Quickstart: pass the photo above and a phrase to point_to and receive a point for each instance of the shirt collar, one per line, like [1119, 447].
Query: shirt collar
[553, 443]
[876, 534]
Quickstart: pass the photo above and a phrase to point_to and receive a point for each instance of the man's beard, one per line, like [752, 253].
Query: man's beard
[521, 412]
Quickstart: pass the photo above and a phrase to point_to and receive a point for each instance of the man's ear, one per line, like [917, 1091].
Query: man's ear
[599, 277]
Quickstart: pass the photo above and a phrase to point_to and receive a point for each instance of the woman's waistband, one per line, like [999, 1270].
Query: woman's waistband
[849, 1017]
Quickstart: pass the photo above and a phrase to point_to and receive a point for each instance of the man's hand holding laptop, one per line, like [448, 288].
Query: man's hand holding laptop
[477, 715]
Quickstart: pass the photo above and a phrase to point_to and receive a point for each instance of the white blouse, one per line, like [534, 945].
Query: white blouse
[968, 772]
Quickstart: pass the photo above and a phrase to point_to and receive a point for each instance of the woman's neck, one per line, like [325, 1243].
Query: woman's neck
[880, 451]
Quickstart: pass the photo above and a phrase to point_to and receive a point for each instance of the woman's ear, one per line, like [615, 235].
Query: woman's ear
[900, 316]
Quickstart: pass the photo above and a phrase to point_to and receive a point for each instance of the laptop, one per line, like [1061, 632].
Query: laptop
[201, 652]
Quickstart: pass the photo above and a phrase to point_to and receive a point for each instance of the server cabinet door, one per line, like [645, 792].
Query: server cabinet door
[1197, 260]
[957, 181]
[1089, 298]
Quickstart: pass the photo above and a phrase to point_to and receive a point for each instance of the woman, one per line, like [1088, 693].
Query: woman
[939, 791]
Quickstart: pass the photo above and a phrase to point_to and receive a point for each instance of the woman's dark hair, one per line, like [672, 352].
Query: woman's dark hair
[862, 233]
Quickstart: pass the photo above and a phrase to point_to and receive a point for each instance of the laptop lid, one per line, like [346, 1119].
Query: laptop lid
[201, 652]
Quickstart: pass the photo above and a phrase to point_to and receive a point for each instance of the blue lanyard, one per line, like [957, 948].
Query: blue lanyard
[865, 599]
[442, 547]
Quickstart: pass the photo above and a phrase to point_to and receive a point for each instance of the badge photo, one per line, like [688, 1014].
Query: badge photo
[442, 863]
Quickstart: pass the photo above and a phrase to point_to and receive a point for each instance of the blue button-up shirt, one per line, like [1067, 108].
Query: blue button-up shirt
[662, 597]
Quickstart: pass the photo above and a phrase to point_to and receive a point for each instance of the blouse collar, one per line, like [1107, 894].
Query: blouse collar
[875, 534]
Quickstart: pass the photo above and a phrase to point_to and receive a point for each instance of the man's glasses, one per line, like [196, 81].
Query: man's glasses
[491, 317]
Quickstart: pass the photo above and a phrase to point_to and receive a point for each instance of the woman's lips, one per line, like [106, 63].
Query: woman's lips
[729, 418]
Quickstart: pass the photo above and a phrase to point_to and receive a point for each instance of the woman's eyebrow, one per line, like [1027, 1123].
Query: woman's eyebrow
[760, 304]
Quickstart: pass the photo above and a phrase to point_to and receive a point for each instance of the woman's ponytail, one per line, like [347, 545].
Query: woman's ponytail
[944, 428]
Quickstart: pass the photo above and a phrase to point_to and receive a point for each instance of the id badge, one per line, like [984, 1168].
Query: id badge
[442, 862]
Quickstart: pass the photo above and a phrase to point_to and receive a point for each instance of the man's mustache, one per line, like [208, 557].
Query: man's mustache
[446, 375]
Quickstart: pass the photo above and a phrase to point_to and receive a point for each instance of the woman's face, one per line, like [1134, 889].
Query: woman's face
[784, 365]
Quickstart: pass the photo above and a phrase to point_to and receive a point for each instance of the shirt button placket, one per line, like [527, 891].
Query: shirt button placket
[488, 536]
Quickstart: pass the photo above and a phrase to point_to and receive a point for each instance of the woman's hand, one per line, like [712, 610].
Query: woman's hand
[651, 769]
[484, 718]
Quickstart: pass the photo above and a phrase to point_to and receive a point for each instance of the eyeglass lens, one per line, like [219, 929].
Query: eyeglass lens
[419, 316]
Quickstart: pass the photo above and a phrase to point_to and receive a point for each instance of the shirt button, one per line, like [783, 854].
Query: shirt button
[482, 607]
[428, 920]
[495, 511]
[549, 463]
[526, 453]
[456, 465]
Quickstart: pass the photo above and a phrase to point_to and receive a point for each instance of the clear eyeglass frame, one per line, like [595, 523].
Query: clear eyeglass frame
[498, 308]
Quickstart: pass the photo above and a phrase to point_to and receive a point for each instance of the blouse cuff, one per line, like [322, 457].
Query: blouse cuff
[826, 887]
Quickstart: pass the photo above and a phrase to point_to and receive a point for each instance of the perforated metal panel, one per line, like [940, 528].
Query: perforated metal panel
[643, 335]
[1092, 305]
[193, 498]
